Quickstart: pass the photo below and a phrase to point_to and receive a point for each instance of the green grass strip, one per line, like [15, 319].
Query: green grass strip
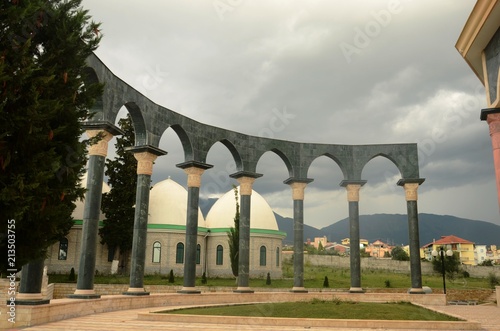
[316, 308]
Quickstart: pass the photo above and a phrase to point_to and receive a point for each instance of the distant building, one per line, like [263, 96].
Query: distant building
[378, 249]
[363, 243]
[320, 240]
[493, 254]
[463, 247]
[339, 248]
[480, 254]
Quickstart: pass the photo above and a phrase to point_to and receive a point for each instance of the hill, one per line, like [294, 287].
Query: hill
[393, 228]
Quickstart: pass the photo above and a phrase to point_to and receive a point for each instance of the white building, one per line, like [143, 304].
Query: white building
[166, 237]
[480, 254]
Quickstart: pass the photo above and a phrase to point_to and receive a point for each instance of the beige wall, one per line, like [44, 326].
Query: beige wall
[169, 240]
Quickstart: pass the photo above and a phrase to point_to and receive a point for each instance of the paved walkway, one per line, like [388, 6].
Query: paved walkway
[487, 315]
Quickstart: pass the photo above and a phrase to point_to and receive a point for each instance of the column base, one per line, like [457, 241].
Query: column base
[136, 291]
[356, 290]
[297, 289]
[29, 296]
[84, 294]
[416, 291]
[189, 290]
[26, 302]
[242, 289]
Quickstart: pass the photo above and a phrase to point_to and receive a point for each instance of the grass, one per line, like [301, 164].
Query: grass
[332, 309]
[313, 278]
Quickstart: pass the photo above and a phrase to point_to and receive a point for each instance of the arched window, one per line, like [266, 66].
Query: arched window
[63, 249]
[198, 254]
[262, 255]
[156, 252]
[278, 256]
[219, 260]
[179, 253]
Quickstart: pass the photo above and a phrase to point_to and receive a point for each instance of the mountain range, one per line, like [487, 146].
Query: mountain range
[392, 228]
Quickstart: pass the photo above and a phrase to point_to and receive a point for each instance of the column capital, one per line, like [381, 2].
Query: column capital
[245, 185]
[298, 186]
[145, 156]
[100, 148]
[411, 186]
[194, 170]
[488, 111]
[353, 187]
[107, 131]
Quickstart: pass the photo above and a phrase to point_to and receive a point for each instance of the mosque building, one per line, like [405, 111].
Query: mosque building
[167, 234]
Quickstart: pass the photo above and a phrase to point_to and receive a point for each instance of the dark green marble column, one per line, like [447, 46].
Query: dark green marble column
[194, 170]
[30, 287]
[354, 251]
[298, 187]
[246, 181]
[91, 211]
[145, 156]
[411, 186]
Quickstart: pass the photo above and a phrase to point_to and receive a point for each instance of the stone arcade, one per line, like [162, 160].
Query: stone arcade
[167, 231]
[150, 122]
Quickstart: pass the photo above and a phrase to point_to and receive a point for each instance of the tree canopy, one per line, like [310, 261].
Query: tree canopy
[45, 93]
[118, 203]
[399, 254]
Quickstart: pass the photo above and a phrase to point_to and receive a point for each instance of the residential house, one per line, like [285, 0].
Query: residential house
[378, 249]
[463, 247]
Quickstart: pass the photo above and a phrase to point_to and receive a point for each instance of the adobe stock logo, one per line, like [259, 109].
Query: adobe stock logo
[363, 37]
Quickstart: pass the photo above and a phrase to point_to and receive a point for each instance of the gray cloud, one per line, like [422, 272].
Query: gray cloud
[357, 72]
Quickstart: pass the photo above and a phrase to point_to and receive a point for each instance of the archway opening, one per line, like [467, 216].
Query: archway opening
[382, 205]
[216, 181]
[325, 201]
[271, 187]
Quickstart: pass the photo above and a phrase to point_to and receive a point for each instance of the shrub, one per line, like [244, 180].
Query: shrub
[465, 274]
[72, 276]
[387, 283]
[325, 282]
[171, 278]
[268, 279]
[493, 280]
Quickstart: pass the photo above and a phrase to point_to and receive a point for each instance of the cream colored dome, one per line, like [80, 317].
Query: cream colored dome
[78, 211]
[168, 204]
[221, 215]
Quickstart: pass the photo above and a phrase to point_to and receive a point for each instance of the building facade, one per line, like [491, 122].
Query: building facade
[166, 237]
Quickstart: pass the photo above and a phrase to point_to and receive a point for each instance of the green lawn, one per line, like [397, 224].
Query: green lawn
[313, 278]
[333, 309]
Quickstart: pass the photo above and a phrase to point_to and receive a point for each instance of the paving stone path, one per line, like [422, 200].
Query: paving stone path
[125, 320]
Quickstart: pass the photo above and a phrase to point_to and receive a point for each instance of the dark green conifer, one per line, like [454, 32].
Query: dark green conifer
[44, 95]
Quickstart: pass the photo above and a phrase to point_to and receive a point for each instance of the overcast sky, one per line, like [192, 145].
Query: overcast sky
[340, 72]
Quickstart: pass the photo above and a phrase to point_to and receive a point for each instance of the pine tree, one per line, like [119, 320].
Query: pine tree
[234, 237]
[118, 204]
[44, 95]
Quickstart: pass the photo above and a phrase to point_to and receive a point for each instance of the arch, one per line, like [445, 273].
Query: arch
[139, 123]
[63, 249]
[263, 256]
[234, 152]
[386, 156]
[334, 159]
[179, 253]
[90, 78]
[186, 142]
[219, 255]
[282, 156]
[156, 256]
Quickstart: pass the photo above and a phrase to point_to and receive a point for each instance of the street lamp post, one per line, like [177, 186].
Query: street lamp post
[442, 253]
